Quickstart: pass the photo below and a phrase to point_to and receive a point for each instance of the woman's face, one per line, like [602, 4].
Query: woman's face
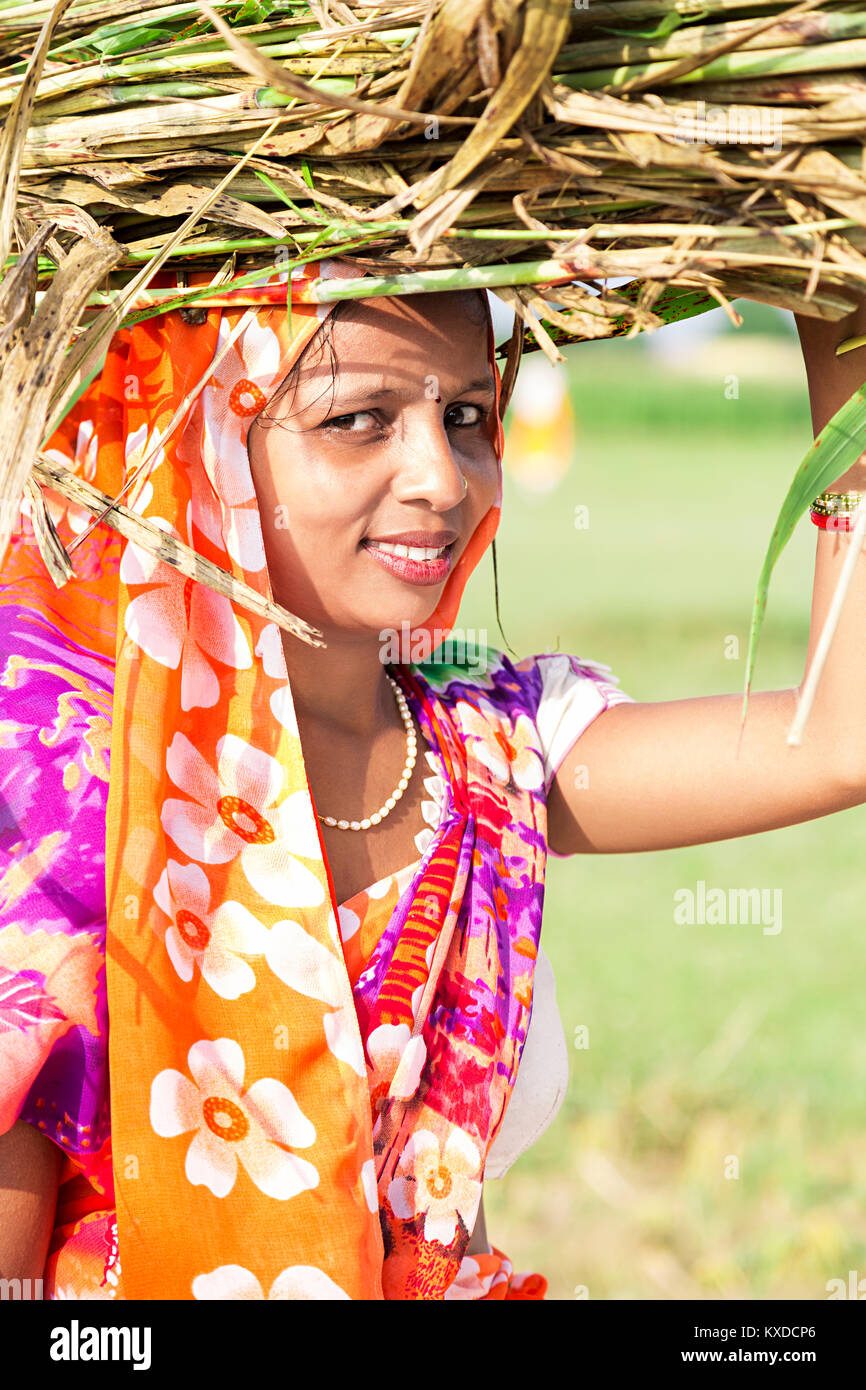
[378, 454]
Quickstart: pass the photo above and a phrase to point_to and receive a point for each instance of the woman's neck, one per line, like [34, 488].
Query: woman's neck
[342, 685]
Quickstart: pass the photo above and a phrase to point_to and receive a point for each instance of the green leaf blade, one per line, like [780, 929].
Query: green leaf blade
[836, 449]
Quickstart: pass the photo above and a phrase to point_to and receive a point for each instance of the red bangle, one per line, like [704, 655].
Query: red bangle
[839, 522]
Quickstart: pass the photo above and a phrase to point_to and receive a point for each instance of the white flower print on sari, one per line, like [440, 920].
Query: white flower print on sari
[368, 1182]
[86, 450]
[472, 1284]
[234, 812]
[214, 940]
[297, 1282]
[507, 752]
[181, 621]
[224, 426]
[270, 649]
[307, 966]
[397, 1061]
[233, 1126]
[138, 446]
[439, 1184]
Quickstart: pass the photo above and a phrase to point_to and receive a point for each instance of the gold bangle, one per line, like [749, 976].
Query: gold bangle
[836, 503]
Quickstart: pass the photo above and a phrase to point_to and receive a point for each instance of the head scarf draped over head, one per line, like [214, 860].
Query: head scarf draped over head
[243, 1144]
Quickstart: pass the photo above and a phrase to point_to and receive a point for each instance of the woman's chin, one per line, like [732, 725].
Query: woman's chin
[394, 606]
[384, 624]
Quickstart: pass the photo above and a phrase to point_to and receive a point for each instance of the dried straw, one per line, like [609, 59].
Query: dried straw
[703, 150]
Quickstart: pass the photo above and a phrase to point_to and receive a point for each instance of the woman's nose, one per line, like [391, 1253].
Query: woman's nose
[428, 467]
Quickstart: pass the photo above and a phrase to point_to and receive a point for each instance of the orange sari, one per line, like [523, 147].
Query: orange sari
[239, 1043]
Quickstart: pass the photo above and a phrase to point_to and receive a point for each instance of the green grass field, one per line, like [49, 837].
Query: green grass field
[710, 1145]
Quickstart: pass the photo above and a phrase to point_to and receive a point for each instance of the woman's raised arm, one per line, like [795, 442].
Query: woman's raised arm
[660, 775]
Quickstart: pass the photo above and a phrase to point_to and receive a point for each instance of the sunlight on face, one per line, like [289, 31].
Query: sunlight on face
[380, 450]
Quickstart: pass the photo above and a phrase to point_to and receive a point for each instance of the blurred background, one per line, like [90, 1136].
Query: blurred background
[642, 482]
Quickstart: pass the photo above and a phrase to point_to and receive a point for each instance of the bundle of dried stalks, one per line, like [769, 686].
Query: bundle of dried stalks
[704, 150]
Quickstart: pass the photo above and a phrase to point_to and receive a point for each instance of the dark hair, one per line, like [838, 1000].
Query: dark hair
[319, 340]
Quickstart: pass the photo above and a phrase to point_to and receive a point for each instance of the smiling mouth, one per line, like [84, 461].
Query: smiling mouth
[422, 565]
[410, 552]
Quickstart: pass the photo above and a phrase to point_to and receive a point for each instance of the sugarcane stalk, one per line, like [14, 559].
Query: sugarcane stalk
[794, 89]
[808, 29]
[765, 62]
[156, 542]
[98, 98]
[140, 105]
[621, 136]
[529, 269]
[621, 13]
[86, 75]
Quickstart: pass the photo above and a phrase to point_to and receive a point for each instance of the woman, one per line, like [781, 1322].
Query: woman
[316, 1074]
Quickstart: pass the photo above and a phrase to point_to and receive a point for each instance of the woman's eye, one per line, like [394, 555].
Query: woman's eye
[348, 424]
[338, 422]
[479, 415]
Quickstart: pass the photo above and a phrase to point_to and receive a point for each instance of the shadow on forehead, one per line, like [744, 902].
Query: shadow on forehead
[470, 305]
[440, 311]
[399, 322]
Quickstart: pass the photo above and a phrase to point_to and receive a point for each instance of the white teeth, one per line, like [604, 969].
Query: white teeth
[408, 552]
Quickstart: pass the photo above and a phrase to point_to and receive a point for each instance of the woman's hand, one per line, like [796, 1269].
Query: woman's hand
[833, 379]
[663, 775]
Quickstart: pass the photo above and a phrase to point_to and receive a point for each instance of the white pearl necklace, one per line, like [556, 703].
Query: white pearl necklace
[411, 752]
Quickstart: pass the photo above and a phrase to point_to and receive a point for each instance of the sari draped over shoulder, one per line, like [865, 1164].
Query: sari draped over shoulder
[246, 1108]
